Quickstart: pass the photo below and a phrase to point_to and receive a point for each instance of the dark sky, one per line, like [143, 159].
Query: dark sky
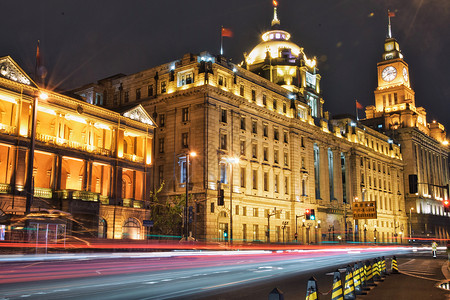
[83, 41]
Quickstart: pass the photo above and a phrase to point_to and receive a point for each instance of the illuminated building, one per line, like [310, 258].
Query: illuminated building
[424, 144]
[268, 112]
[90, 164]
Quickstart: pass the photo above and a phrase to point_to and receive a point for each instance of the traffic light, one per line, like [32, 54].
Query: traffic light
[307, 214]
[225, 234]
[413, 184]
[191, 214]
[312, 214]
[220, 197]
[446, 206]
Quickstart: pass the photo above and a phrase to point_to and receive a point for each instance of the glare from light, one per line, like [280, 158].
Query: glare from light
[43, 96]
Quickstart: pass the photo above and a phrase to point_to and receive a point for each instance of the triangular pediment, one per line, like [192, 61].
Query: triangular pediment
[10, 70]
[139, 114]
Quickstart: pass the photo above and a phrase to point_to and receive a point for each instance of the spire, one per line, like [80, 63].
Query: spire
[390, 14]
[275, 20]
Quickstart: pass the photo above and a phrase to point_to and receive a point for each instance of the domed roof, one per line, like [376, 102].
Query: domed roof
[273, 41]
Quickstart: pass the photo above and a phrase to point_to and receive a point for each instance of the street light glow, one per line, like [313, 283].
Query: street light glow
[193, 154]
[43, 96]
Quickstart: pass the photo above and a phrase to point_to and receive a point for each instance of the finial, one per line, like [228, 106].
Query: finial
[390, 14]
[275, 20]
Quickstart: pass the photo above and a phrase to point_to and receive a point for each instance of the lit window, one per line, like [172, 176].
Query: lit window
[185, 114]
[184, 140]
[163, 87]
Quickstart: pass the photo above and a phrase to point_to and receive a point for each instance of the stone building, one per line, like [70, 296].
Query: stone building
[90, 170]
[261, 136]
[424, 144]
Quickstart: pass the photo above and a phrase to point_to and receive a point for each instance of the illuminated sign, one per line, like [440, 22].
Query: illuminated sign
[364, 210]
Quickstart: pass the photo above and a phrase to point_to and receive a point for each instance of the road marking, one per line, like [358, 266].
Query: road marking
[168, 279]
[150, 282]
[235, 282]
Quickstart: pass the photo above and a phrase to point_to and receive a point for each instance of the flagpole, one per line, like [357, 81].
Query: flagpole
[389, 26]
[356, 105]
[221, 40]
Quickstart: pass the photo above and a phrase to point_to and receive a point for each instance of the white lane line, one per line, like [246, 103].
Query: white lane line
[235, 282]
[150, 282]
[168, 279]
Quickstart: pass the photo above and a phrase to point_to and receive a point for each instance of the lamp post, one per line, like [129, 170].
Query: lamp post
[268, 223]
[186, 213]
[296, 227]
[231, 160]
[410, 224]
[365, 233]
[375, 234]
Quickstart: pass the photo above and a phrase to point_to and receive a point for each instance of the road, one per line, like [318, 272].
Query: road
[180, 275]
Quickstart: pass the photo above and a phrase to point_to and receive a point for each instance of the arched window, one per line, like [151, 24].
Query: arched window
[102, 228]
[131, 229]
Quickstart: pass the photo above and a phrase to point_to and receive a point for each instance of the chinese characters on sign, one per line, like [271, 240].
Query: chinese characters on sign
[365, 210]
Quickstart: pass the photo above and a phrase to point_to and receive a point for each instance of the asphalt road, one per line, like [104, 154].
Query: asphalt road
[205, 275]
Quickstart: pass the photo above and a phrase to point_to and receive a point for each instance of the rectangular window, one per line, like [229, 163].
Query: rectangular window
[331, 173]
[275, 181]
[276, 134]
[138, 94]
[220, 80]
[254, 151]
[286, 185]
[223, 173]
[395, 98]
[163, 87]
[242, 123]
[184, 140]
[302, 142]
[162, 120]
[275, 156]
[161, 174]
[244, 232]
[390, 99]
[223, 142]
[223, 118]
[266, 154]
[274, 104]
[243, 177]
[242, 148]
[284, 108]
[265, 130]
[189, 78]
[255, 232]
[285, 137]
[344, 182]
[161, 145]
[241, 90]
[264, 100]
[253, 95]
[182, 171]
[254, 127]
[255, 179]
[286, 160]
[255, 211]
[384, 100]
[244, 210]
[266, 181]
[212, 207]
[317, 170]
[150, 90]
[126, 97]
[185, 114]
[304, 187]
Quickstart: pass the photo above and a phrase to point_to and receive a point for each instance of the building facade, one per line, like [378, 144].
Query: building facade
[424, 144]
[261, 136]
[89, 174]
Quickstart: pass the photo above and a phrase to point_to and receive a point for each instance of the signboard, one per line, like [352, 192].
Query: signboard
[148, 223]
[364, 210]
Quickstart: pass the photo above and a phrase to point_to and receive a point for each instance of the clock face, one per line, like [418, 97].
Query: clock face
[389, 73]
[405, 74]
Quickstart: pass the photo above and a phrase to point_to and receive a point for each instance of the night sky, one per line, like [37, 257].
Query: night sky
[84, 41]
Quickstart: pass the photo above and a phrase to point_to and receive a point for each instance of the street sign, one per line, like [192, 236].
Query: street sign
[148, 223]
[364, 210]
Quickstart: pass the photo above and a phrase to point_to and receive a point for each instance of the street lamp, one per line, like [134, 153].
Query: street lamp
[231, 161]
[186, 213]
[365, 233]
[296, 227]
[375, 234]
[268, 223]
[410, 223]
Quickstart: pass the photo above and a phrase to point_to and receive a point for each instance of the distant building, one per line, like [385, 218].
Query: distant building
[424, 144]
[292, 158]
[90, 171]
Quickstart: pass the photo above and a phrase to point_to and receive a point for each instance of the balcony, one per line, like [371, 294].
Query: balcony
[133, 203]
[49, 139]
[43, 193]
[5, 188]
[133, 157]
[7, 129]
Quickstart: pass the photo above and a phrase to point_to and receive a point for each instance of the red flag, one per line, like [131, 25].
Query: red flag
[391, 14]
[359, 105]
[227, 32]
[275, 3]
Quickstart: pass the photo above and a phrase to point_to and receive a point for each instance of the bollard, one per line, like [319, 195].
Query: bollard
[349, 289]
[276, 294]
[376, 270]
[311, 289]
[357, 280]
[383, 266]
[369, 275]
[337, 287]
[362, 275]
[394, 266]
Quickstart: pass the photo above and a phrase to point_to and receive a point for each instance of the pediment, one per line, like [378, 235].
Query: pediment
[139, 114]
[10, 70]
